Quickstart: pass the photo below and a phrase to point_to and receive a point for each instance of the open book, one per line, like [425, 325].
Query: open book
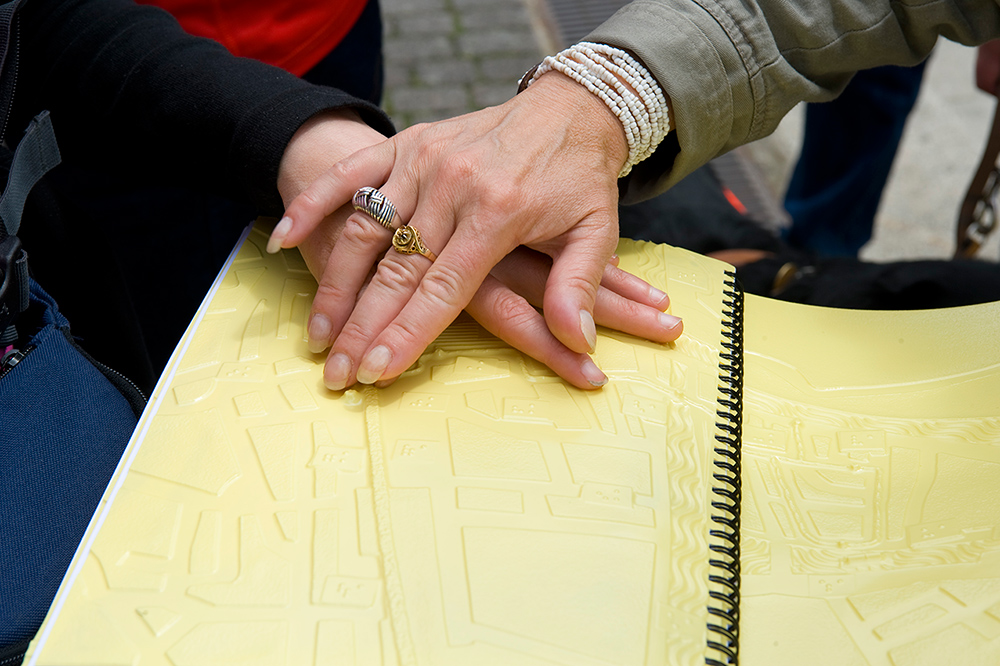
[480, 511]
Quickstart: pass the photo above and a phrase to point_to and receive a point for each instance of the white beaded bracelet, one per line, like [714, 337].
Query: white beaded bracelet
[623, 84]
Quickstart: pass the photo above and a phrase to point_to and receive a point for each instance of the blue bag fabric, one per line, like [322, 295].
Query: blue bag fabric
[65, 423]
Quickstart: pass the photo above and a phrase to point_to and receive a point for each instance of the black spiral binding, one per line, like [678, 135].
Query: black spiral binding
[724, 562]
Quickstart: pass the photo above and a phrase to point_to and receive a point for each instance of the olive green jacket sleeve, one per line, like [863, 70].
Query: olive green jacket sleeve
[733, 68]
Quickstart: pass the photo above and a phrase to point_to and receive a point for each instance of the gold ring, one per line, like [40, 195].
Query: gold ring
[370, 200]
[407, 240]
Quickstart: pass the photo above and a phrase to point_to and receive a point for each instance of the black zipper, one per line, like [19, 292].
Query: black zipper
[13, 655]
[129, 390]
[16, 39]
[132, 393]
[118, 379]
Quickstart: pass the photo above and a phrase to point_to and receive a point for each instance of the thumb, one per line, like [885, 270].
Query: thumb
[571, 289]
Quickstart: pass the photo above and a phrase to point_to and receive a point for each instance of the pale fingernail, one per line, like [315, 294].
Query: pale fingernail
[593, 374]
[615, 259]
[374, 364]
[278, 235]
[657, 296]
[668, 321]
[319, 333]
[336, 372]
[589, 329]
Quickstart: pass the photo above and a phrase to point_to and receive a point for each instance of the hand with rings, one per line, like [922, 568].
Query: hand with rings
[506, 303]
[539, 171]
[406, 239]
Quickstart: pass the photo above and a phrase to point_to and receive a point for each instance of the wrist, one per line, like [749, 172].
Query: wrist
[622, 84]
[593, 120]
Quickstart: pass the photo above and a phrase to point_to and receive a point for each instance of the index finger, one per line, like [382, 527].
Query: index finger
[368, 167]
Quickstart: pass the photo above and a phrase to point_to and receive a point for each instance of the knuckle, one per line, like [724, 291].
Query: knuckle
[520, 324]
[517, 317]
[311, 200]
[439, 134]
[363, 231]
[405, 334]
[501, 194]
[614, 277]
[628, 309]
[443, 285]
[413, 131]
[340, 170]
[580, 283]
[352, 330]
[395, 275]
[461, 167]
[430, 145]
[330, 292]
[316, 197]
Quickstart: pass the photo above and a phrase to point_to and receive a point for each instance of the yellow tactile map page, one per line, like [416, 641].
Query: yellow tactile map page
[478, 511]
[871, 487]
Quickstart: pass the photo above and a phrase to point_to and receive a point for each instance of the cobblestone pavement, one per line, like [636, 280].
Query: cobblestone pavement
[447, 57]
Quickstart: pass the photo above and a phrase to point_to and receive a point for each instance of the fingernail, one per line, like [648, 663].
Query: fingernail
[657, 296]
[589, 329]
[615, 259]
[374, 364]
[319, 333]
[336, 372]
[668, 321]
[593, 374]
[278, 235]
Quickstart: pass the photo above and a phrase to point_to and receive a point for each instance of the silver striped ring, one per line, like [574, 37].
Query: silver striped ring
[371, 201]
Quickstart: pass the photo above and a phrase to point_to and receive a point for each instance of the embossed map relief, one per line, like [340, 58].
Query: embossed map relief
[871, 486]
[482, 511]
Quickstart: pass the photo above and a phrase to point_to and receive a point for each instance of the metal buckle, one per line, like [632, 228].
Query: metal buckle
[984, 216]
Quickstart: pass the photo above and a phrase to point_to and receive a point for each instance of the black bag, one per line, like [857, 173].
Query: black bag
[697, 214]
[66, 418]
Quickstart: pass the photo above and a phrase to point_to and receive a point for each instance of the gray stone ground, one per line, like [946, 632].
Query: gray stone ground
[447, 57]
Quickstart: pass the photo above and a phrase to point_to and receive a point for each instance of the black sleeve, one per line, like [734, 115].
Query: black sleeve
[130, 91]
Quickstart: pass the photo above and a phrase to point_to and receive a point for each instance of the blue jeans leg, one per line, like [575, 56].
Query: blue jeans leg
[847, 152]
